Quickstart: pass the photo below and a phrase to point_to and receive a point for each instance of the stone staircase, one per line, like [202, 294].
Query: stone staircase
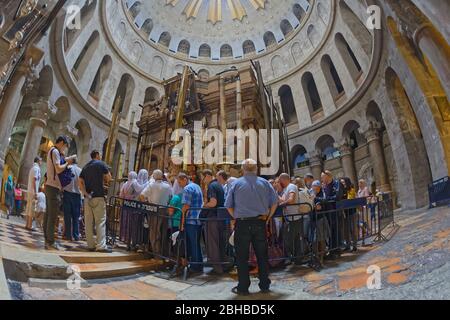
[109, 265]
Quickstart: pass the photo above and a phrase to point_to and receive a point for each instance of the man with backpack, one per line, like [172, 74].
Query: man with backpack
[56, 166]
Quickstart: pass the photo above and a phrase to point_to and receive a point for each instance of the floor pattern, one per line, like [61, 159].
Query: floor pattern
[14, 232]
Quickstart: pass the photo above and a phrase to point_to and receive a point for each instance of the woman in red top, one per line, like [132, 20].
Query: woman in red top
[18, 196]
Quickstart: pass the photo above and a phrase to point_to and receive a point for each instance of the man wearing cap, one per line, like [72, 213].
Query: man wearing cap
[34, 179]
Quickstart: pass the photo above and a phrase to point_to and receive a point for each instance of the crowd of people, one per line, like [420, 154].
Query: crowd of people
[290, 213]
[251, 203]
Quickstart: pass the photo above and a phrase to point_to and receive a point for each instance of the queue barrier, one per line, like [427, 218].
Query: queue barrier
[439, 192]
[203, 237]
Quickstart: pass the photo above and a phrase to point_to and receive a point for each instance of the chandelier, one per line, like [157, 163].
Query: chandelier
[215, 8]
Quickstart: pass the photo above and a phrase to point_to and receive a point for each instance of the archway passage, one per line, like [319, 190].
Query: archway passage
[412, 161]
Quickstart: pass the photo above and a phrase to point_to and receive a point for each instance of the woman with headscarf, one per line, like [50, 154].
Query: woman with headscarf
[136, 232]
[128, 189]
[9, 195]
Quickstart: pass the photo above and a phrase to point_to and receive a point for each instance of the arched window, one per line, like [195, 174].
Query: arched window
[311, 93]
[326, 146]
[226, 51]
[125, 94]
[147, 27]
[101, 76]
[356, 27]
[299, 12]
[350, 60]
[269, 39]
[164, 39]
[73, 31]
[248, 47]
[184, 47]
[331, 76]
[135, 9]
[286, 27]
[299, 157]
[151, 95]
[287, 104]
[86, 55]
[204, 51]
[352, 135]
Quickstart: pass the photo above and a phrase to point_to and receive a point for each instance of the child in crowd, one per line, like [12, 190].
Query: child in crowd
[40, 208]
[18, 196]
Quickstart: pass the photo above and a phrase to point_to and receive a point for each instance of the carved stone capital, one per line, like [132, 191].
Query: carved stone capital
[315, 158]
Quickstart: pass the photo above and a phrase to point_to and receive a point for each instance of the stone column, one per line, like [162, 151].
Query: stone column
[9, 108]
[437, 50]
[418, 28]
[223, 122]
[348, 162]
[316, 164]
[376, 151]
[38, 122]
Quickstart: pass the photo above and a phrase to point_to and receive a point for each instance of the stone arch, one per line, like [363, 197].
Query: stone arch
[135, 9]
[299, 12]
[226, 51]
[63, 110]
[332, 77]
[297, 52]
[72, 31]
[45, 82]
[83, 141]
[157, 67]
[184, 47]
[136, 52]
[164, 39]
[313, 35]
[269, 39]
[85, 57]
[277, 66]
[299, 157]
[415, 156]
[287, 104]
[147, 27]
[204, 51]
[248, 47]
[102, 75]
[326, 145]
[350, 60]
[311, 92]
[151, 95]
[125, 91]
[203, 74]
[351, 133]
[356, 27]
[286, 27]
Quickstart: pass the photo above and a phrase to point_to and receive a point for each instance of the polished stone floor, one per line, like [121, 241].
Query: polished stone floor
[413, 264]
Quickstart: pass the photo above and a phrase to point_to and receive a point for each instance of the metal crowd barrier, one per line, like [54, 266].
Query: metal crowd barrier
[203, 236]
[439, 192]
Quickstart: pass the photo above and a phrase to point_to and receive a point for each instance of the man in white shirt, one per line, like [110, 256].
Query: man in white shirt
[34, 179]
[157, 192]
[294, 226]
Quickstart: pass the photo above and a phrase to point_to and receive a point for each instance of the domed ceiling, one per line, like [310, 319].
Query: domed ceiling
[218, 29]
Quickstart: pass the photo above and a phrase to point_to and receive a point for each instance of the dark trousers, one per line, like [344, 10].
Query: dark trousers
[51, 199]
[72, 212]
[194, 251]
[215, 244]
[335, 239]
[251, 232]
[293, 235]
[18, 206]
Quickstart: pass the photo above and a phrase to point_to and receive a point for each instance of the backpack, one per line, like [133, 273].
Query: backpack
[65, 177]
[305, 197]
